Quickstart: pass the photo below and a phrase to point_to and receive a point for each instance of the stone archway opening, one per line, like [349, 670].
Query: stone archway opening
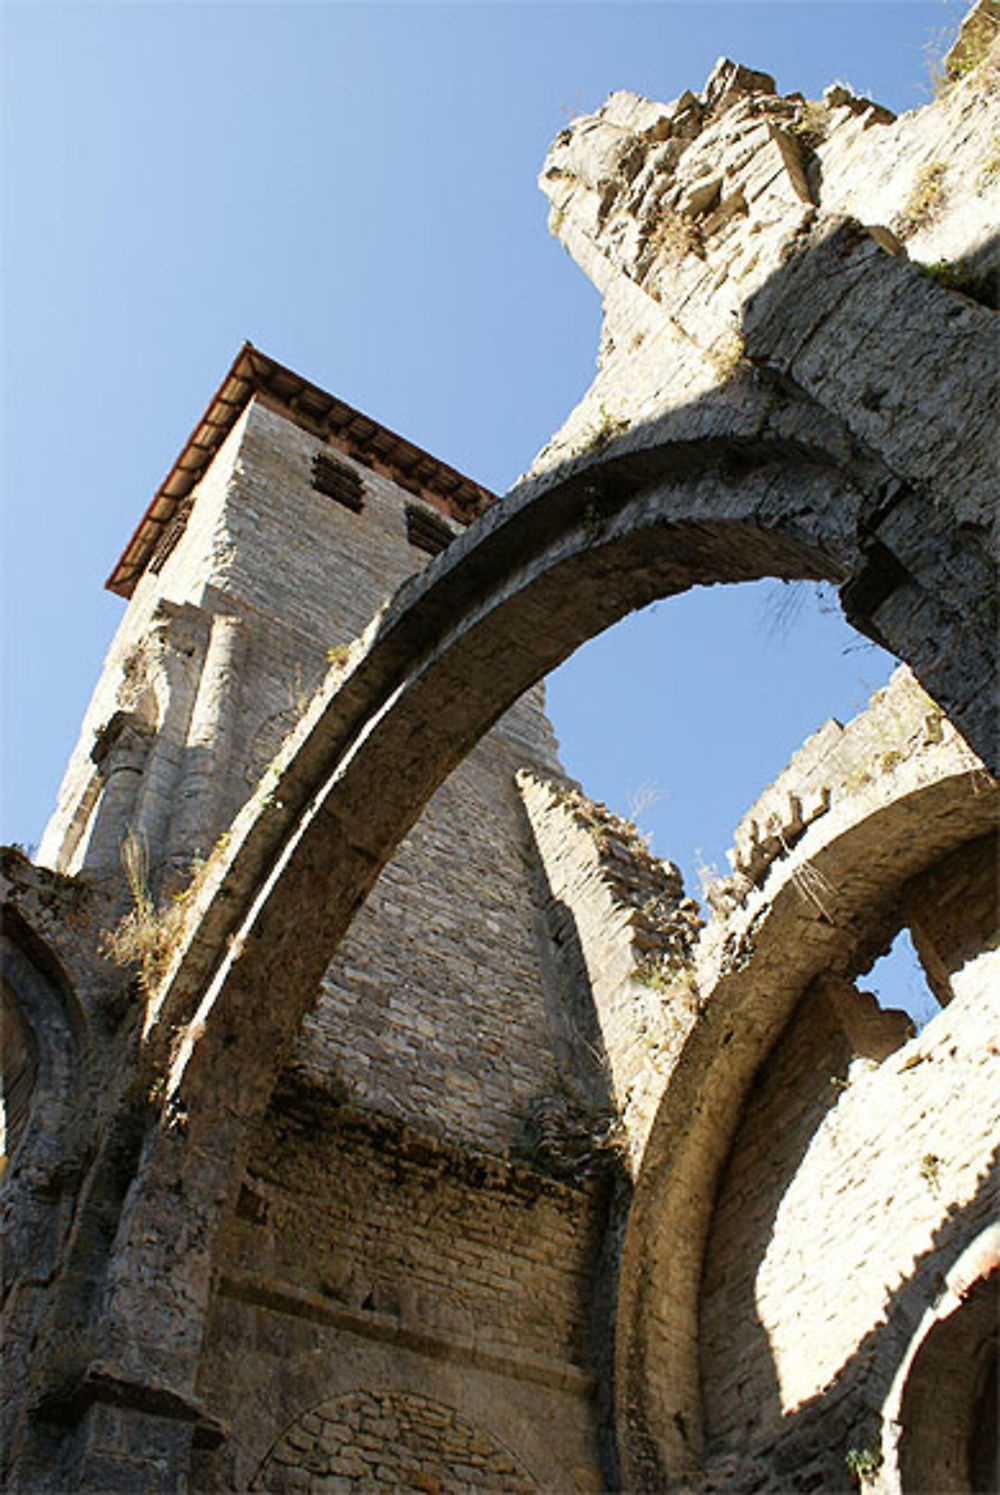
[20, 1073]
[948, 1413]
[679, 716]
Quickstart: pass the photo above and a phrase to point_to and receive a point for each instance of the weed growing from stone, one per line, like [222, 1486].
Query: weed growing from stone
[815, 889]
[147, 935]
[958, 275]
[863, 1464]
[930, 1170]
[664, 975]
[964, 57]
[338, 655]
[728, 356]
[925, 199]
[811, 124]
[599, 433]
[675, 236]
[652, 974]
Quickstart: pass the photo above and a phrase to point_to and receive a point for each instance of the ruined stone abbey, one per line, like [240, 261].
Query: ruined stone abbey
[380, 1114]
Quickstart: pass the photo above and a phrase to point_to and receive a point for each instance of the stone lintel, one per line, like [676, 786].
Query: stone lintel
[101, 1383]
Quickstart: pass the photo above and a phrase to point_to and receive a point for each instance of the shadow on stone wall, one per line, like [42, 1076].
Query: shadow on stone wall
[749, 1435]
[811, 1447]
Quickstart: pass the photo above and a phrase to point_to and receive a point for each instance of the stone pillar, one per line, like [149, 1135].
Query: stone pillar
[201, 802]
[108, 1435]
[120, 753]
[133, 1451]
[178, 643]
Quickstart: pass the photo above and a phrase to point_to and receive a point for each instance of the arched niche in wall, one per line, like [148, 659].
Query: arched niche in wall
[949, 1409]
[941, 1432]
[796, 1254]
[42, 1032]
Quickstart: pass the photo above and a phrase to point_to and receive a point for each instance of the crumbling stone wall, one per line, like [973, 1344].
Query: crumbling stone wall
[810, 1219]
[742, 293]
[621, 916]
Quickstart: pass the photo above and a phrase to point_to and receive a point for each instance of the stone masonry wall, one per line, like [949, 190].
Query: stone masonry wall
[438, 1007]
[389, 1223]
[620, 916]
[681, 212]
[366, 1261]
[848, 1180]
[386, 1440]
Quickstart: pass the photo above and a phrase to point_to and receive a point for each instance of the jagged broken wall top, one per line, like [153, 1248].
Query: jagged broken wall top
[682, 213]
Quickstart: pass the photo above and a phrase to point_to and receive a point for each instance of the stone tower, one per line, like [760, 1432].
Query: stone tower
[285, 523]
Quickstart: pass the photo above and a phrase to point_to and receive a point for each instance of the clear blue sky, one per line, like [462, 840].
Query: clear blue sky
[352, 187]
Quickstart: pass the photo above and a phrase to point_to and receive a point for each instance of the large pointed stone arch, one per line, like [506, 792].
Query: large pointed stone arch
[457, 645]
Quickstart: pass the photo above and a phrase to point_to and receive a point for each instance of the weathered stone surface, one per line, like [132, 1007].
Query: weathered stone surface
[625, 932]
[741, 293]
[334, 1195]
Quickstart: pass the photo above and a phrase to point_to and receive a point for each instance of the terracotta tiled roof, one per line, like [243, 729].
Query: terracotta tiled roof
[255, 375]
